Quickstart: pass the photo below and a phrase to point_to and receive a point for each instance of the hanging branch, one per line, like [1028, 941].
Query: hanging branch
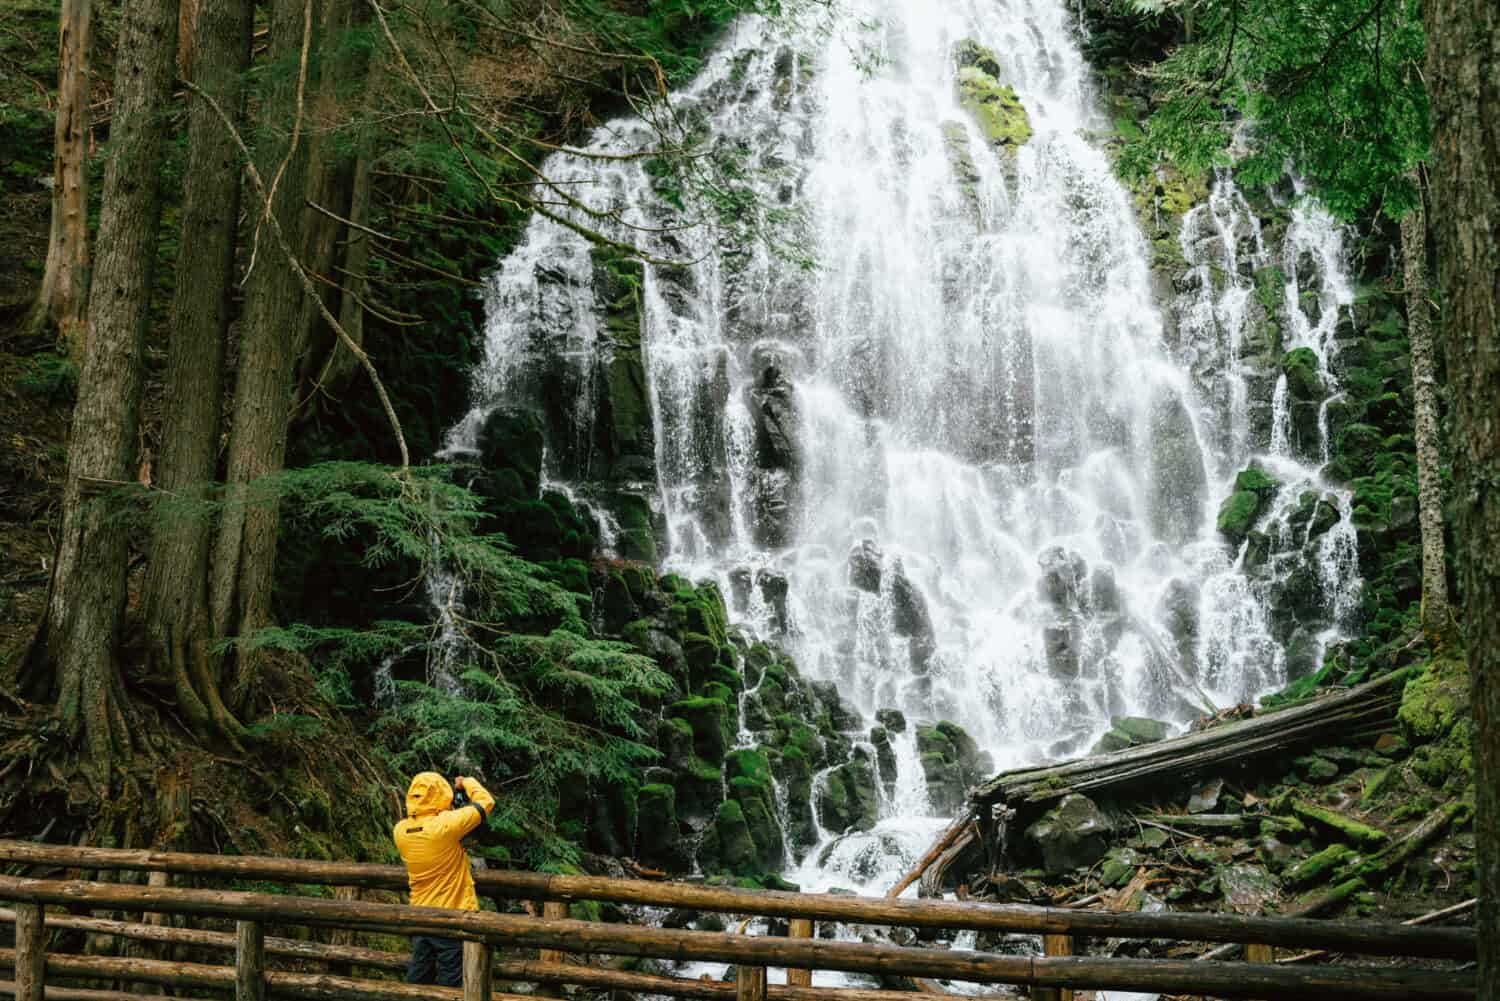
[308, 287]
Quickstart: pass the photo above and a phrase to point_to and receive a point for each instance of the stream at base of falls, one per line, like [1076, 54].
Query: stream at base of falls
[971, 464]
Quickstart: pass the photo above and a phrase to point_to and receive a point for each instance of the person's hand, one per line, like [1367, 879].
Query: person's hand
[458, 783]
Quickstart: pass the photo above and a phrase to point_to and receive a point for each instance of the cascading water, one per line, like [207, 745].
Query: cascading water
[960, 468]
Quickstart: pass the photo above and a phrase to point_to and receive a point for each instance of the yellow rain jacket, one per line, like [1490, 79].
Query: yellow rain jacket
[437, 870]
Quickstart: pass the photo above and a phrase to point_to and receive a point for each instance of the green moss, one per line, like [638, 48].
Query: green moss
[995, 107]
[1435, 701]
[1237, 515]
[1318, 867]
[748, 763]
[1339, 825]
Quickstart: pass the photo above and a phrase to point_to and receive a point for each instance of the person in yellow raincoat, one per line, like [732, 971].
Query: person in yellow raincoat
[437, 870]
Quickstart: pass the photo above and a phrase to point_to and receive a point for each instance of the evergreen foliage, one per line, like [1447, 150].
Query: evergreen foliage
[1332, 87]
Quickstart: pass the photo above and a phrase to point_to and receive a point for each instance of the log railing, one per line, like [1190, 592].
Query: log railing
[1054, 974]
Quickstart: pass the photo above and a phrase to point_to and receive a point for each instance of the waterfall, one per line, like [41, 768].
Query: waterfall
[968, 465]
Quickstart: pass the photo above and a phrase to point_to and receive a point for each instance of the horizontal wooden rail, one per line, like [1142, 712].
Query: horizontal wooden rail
[527, 971]
[1365, 938]
[8, 989]
[1163, 976]
[1230, 980]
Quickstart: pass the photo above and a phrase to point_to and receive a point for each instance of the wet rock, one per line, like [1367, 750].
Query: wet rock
[1062, 576]
[711, 722]
[1306, 391]
[740, 580]
[996, 109]
[850, 800]
[885, 758]
[658, 835]
[773, 590]
[865, 565]
[892, 719]
[1072, 835]
[1141, 730]
[1248, 889]
[1253, 491]
[1061, 651]
[1316, 768]
[1205, 798]
[1177, 610]
[1179, 482]
[968, 52]
[909, 615]
[510, 451]
[1304, 654]
[951, 763]
[1104, 593]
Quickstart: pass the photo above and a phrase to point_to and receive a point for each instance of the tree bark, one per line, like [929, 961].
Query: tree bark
[77, 638]
[1436, 617]
[176, 591]
[244, 556]
[1463, 80]
[62, 302]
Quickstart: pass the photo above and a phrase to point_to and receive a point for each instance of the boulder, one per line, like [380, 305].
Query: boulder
[885, 758]
[658, 837]
[892, 719]
[865, 565]
[1306, 391]
[909, 615]
[1253, 491]
[1248, 889]
[1072, 835]
[1179, 482]
[1177, 610]
[1061, 651]
[1062, 576]
[849, 800]
[995, 107]
[712, 722]
[968, 52]
[773, 590]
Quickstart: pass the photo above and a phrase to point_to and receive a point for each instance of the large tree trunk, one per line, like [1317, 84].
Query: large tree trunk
[77, 638]
[1436, 617]
[1463, 79]
[62, 302]
[244, 556]
[176, 592]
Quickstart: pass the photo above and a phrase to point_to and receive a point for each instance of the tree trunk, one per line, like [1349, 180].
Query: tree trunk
[1435, 615]
[1463, 79]
[176, 592]
[244, 556]
[77, 638]
[62, 302]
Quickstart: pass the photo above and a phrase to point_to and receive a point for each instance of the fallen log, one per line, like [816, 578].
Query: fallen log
[1425, 919]
[1008, 803]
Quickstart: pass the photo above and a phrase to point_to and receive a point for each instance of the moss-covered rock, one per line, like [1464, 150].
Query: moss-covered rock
[726, 847]
[1253, 490]
[712, 723]
[996, 109]
[658, 835]
[850, 800]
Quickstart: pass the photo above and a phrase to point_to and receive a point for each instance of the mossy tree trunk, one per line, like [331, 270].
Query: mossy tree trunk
[1435, 614]
[62, 302]
[74, 652]
[244, 554]
[176, 592]
[1463, 80]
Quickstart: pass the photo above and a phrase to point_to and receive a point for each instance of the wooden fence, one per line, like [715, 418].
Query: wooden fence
[1053, 975]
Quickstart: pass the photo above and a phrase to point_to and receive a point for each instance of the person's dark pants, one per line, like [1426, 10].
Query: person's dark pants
[436, 961]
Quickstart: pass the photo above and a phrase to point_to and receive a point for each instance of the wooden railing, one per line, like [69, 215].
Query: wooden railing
[1053, 975]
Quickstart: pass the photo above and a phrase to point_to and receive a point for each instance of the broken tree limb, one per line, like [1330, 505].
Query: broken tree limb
[954, 830]
[1359, 873]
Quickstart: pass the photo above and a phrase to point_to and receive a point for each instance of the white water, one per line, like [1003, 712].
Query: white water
[978, 385]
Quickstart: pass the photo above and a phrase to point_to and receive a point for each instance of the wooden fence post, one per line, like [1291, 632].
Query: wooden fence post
[799, 928]
[1055, 945]
[31, 952]
[1255, 953]
[477, 975]
[249, 961]
[343, 936]
[750, 983]
[553, 909]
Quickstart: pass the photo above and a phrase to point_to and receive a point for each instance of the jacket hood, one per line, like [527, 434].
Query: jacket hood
[429, 793]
